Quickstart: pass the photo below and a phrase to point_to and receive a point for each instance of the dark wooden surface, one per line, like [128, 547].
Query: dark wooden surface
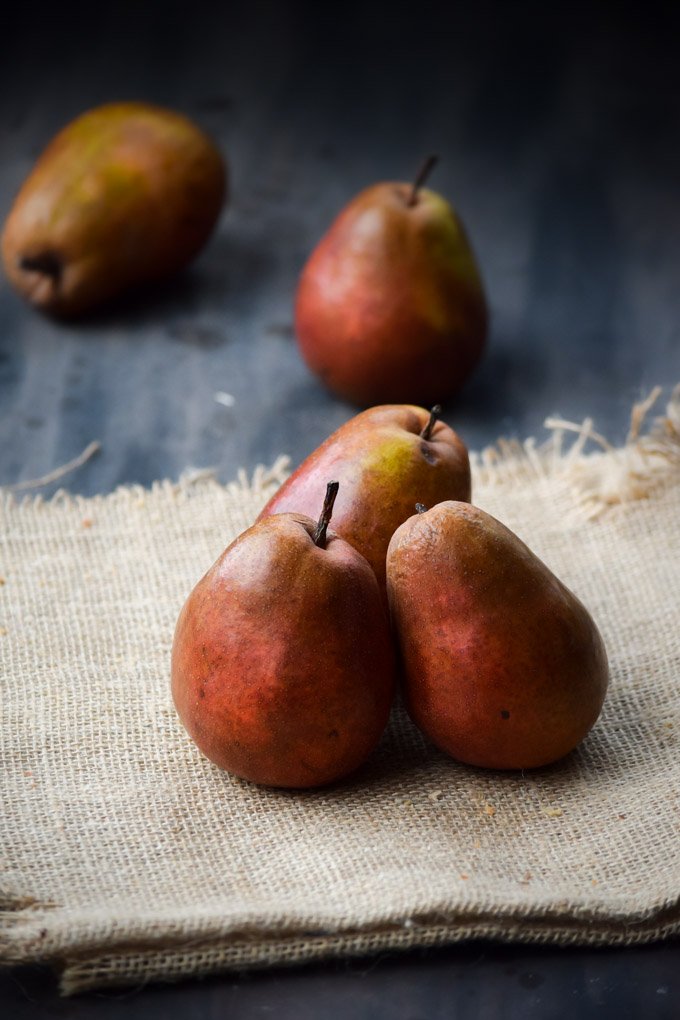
[558, 132]
[478, 981]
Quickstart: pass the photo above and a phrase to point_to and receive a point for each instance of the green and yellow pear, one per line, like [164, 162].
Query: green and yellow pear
[385, 459]
[126, 194]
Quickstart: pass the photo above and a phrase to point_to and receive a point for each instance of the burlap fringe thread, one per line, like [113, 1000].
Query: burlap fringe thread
[629, 472]
[602, 479]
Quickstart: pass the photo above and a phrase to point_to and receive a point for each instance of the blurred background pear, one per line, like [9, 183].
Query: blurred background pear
[126, 194]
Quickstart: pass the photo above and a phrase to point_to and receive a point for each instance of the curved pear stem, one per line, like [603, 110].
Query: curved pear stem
[421, 508]
[326, 513]
[431, 422]
[422, 175]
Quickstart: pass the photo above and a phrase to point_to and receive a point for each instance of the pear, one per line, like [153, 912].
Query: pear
[126, 194]
[390, 306]
[384, 458]
[503, 666]
[282, 660]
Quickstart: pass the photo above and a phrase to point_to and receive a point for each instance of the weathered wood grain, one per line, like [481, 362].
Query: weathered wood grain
[559, 144]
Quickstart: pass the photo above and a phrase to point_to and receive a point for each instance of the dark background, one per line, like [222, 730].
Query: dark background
[558, 130]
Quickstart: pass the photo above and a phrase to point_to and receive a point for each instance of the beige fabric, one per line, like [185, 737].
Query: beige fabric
[127, 857]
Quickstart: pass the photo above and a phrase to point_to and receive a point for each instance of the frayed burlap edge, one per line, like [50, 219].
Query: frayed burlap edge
[140, 967]
[608, 477]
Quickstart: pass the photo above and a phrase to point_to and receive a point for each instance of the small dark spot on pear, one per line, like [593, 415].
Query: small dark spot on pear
[505, 714]
[201, 693]
[333, 733]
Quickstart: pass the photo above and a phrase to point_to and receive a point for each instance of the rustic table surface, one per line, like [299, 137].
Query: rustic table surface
[558, 133]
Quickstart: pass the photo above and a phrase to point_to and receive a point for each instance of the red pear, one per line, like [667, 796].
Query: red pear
[390, 306]
[503, 666]
[282, 661]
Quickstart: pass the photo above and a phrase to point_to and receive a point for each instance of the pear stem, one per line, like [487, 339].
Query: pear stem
[422, 175]
[326, 513]
[431, 422]
[421, 508]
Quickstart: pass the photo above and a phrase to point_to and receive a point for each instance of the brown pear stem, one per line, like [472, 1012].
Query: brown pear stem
[421, 508]
[431, 422]
[326, 513]
[422, 175]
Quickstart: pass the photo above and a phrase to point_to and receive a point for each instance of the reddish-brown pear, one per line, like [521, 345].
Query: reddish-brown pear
[503, 666]
[124, 195]
[282, 661]
[385, 459]
[390, 305]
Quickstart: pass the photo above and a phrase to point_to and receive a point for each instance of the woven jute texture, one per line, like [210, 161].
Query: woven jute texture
[127, 857]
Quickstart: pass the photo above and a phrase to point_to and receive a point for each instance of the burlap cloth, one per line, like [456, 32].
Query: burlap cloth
[127, 857]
